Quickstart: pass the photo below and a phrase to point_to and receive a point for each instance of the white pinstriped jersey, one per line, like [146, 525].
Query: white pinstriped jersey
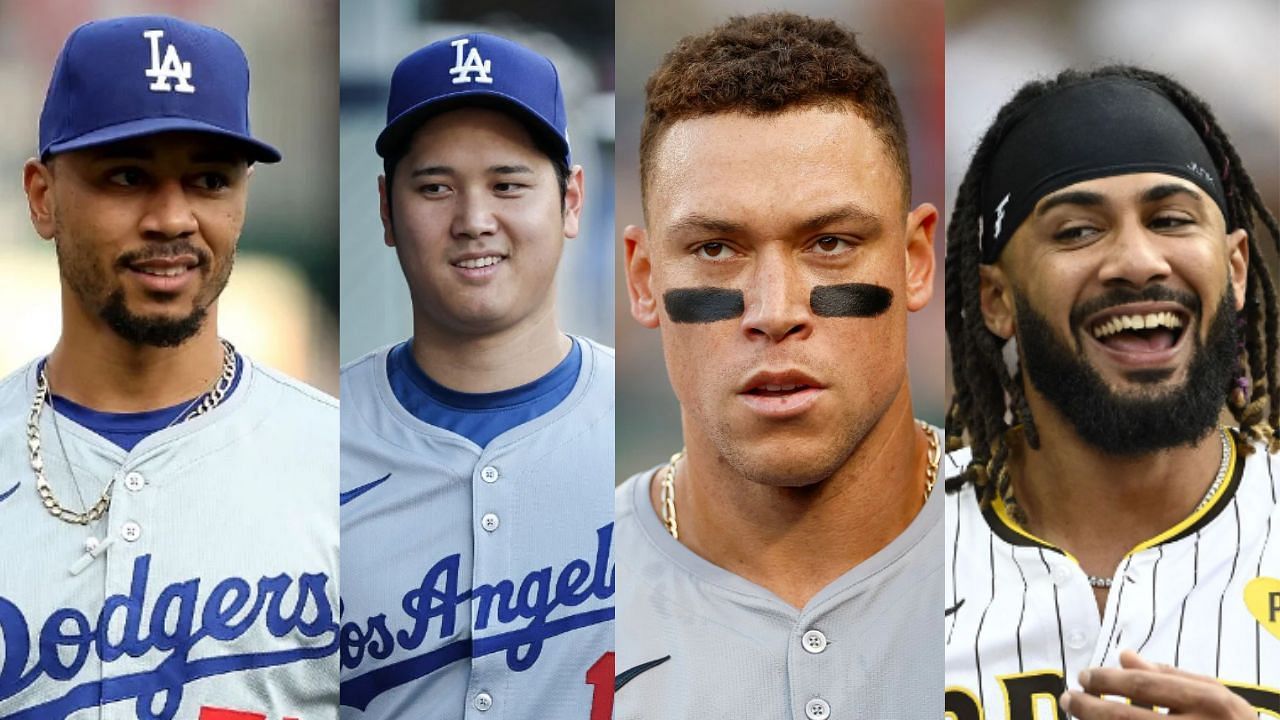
[1204, 596]
[478, 582]
[211, 592]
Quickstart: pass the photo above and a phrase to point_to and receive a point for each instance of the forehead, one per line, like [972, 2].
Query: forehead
[188, 147]
[464, 131]
[766, 171]
[1129, 189]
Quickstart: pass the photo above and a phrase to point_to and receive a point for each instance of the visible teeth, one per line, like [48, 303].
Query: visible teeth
[1137, 322]
[780, 388]
[485, 261]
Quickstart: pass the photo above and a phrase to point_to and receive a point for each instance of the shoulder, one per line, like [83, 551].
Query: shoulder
[13, 387]
[599, 358]
[359, 369]
[955, 462]
[294, 392]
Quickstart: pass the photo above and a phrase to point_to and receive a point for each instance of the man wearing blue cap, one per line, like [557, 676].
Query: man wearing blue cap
[477, 456]
[167, 527]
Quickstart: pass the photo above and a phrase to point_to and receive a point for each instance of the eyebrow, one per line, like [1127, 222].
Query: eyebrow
[1075, 197]
[1167, 190]
[492, 170]
[695, 222]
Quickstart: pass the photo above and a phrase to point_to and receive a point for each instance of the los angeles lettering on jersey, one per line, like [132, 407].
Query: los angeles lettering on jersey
[712, 304]
[527, 603]
[174, 624]
[1024, 692]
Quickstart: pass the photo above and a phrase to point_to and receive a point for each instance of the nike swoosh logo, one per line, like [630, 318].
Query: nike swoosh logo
[5, 495]
[354, 493]
[953, 609]
[627, 676]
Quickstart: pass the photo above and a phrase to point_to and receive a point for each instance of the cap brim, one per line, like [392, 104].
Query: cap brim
[256, 150]
[399, 130]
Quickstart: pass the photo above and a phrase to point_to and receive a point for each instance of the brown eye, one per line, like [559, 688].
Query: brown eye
[712, 249]
[830, 245]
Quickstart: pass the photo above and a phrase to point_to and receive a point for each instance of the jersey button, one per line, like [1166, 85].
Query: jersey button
[134, 481]
[483, 701]
[1061, 575]
[91, 544]
[817, 709]
[1076, 639]
[489, 522]
[131, 531]
[489, 474]
[814, 641]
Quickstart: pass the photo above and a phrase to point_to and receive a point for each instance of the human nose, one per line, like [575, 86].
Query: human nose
[777, 302]
[1135, 257]
[472, 217]
[169, 213]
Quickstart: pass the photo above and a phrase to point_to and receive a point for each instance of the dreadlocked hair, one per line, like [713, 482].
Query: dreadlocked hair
[989, 400]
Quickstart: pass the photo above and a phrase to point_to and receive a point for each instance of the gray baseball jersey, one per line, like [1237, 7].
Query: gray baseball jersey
[696, 641]
[1022, 622]
[478, 582]
[207, 592]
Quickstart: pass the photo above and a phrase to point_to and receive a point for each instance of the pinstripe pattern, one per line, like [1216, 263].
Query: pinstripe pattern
[1031, 617]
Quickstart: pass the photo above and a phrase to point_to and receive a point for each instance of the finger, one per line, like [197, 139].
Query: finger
[1177, 690]
[1145, 687]
[1132, 660]
[1087, 707]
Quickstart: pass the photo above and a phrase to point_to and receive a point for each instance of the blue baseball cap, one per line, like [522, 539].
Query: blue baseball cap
[133, 76]
[474, 69]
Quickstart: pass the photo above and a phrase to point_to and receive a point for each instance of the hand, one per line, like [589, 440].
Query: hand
[1185, 694]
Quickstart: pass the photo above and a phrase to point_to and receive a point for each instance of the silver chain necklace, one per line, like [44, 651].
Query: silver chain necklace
[1105, 583]
[206, 402]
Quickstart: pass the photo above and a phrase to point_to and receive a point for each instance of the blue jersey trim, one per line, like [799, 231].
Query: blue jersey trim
[479, 417]
[126, 430]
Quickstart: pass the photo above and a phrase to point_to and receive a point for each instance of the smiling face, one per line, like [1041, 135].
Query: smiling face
[769, 208]
[477, 222]
[1122, 292]
[145, 230]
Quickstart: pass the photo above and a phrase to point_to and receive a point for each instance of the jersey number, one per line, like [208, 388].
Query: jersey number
[600, 678]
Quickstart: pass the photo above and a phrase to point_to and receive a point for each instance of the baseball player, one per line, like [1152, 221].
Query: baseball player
[477, 512]
[1112, 550]
[168, 534]
[782, 565]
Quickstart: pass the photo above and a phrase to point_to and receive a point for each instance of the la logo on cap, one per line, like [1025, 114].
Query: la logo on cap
[173, 68]
[463, 70]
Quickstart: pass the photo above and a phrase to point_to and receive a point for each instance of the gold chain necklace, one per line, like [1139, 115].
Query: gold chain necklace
[210, 400]
[669, 480]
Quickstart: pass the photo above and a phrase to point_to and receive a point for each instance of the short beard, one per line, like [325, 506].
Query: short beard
[1132, 424]
[154, 331]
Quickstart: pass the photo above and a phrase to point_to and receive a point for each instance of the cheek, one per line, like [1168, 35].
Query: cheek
[693, 357]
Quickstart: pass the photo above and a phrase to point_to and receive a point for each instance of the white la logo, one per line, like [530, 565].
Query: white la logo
[173, 68]
[473, 64]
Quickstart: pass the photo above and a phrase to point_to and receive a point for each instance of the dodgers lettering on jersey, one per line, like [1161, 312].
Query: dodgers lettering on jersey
[1022, 622]
[477, 582]
[210, 586]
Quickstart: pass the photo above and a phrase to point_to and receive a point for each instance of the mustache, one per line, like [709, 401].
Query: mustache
[165, 250]
[1125, 296]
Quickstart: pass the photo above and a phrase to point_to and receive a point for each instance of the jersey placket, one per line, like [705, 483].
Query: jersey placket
[492, 522]
[808, 662]
[129, 634]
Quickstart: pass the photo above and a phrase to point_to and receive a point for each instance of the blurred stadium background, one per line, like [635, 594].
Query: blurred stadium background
[906, 37]
[578, 37]
[281, 306]
[1227, 52]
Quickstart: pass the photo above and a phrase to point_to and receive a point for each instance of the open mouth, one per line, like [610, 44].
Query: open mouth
[164, 274]
[1128, 331]
[777, 390]
[477, 263]
[780, 394]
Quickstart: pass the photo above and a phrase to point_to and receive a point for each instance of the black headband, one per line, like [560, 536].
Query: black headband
[1093, 129]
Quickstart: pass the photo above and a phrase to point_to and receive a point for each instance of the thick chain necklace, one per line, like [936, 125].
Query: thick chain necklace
[669, 480]
[1105, 583]
[200, 406]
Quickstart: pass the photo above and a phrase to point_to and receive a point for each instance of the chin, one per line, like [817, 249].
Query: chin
[781, 462]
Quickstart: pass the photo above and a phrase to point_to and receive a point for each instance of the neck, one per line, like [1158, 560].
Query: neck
[1098, 507]
[488, 363]
[767, 534]
[94, 367]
